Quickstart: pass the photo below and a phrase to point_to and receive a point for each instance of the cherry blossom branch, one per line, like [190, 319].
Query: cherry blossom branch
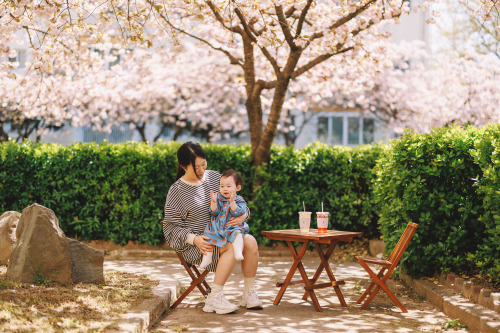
[302, 18]
[234, 60]
[316, 61]
[284, 27]
[264, 50]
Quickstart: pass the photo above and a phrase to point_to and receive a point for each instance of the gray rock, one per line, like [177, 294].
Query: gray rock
[86, 263]
[41, 249]
[8, 225]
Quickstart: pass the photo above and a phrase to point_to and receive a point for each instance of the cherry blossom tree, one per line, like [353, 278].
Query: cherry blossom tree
[272, 42]
[421, 92]
[470, 24]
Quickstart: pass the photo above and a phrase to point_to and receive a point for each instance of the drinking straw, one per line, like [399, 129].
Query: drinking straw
[322, 206]
[304, 206]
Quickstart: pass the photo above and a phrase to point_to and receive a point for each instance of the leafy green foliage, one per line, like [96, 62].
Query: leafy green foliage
[432, 179]
[117, 191]
[487, 155]
[340, 177]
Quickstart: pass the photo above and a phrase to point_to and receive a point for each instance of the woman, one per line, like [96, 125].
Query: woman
[187, 211]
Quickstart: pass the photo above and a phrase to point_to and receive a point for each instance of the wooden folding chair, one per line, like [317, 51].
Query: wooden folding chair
[389, 265]
[198, 280]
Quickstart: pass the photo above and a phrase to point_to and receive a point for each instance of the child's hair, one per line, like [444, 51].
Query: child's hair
[238, 180]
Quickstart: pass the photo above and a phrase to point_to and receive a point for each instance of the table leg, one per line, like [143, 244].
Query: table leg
[298, 259]
[329, 272]
[308, 283]
[321, 266]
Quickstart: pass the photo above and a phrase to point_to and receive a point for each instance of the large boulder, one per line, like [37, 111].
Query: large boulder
[86, 263]
[8, 225]
[41, 248]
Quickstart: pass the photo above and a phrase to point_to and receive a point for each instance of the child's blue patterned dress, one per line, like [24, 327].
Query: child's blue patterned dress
[219, 234]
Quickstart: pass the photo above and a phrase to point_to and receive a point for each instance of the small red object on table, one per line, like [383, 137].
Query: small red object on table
[331, 237]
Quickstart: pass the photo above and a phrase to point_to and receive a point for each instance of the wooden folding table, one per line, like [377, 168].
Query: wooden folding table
[331, 237]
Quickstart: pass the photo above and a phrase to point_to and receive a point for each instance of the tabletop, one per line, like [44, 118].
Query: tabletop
[313, 235]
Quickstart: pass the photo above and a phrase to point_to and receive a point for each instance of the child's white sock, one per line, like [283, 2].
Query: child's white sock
[249, 282]
[238, 247]
[207, 259]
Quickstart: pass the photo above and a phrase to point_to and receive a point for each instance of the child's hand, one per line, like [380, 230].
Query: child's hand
[213, 196]
[231, 197]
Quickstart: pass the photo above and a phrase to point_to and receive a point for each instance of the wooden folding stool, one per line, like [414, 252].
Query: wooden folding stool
[389, 265]
[198, 280]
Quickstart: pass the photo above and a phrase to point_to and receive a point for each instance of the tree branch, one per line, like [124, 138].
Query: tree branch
[234, 60]
[249, 34]
[341, 21]
[284, 27]
[219, 18]
[302, 18]
[316, 61]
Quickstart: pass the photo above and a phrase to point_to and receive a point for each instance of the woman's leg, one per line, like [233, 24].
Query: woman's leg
[225, 265]
[251, 255]
[250, 299]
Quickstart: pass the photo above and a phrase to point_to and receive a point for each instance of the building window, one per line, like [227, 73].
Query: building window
[118, 134]
[20, 58]
[345, 129]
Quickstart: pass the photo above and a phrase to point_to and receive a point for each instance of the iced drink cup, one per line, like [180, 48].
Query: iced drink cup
[322, 219]
[304, 221]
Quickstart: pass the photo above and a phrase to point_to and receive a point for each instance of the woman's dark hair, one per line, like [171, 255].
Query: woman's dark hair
[187, 154]
[238, 180]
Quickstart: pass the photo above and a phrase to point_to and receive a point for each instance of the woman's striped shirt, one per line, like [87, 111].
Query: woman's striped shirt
[187, 210]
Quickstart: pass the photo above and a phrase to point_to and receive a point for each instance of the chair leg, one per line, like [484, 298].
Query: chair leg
[203, 283]
[367, 291]
[381, 284]
[195, 283]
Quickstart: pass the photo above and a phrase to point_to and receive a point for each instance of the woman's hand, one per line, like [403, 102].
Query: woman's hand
[201, 243]
[236, 220]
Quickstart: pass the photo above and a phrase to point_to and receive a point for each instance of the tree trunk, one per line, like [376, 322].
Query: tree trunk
[178, 132]
[3, 134]
[142, 131]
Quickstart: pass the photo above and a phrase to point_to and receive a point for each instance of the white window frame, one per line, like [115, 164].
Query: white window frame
[345, 115]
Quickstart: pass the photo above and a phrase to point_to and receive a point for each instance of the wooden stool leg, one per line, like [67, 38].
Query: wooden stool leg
[194, 284]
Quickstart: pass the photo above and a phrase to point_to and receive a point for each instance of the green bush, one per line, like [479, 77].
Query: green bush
[117, 191]
[487, 155]
[340, 177]
[431, 179]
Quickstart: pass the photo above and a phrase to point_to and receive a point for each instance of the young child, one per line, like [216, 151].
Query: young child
[223, 206]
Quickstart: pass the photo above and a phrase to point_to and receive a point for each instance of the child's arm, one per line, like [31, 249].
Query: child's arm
[213, 201]
[240, 207]
[232, 203]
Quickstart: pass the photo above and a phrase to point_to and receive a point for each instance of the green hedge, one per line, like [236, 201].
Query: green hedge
[487, 155]
[439, 180]
[340, 177]
[117, 191]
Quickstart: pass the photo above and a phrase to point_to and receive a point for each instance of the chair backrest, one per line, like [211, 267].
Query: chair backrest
[403, 242]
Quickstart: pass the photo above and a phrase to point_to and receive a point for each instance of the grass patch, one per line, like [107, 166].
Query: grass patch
[73, 307]
[453, 325]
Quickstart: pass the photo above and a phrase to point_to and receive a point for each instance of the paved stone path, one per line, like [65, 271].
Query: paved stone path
[293, 314]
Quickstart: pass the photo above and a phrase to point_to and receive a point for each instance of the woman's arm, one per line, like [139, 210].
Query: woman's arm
[173, 223]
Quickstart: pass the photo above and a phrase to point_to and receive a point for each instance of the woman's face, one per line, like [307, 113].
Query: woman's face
[199, 171]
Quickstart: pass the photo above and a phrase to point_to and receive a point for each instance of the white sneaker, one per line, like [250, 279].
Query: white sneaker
[219, 304]
[250, 299]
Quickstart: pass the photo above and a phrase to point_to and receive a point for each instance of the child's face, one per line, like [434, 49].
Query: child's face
[228, 186]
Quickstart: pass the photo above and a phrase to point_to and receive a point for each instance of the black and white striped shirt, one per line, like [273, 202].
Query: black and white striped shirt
[187, 210]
